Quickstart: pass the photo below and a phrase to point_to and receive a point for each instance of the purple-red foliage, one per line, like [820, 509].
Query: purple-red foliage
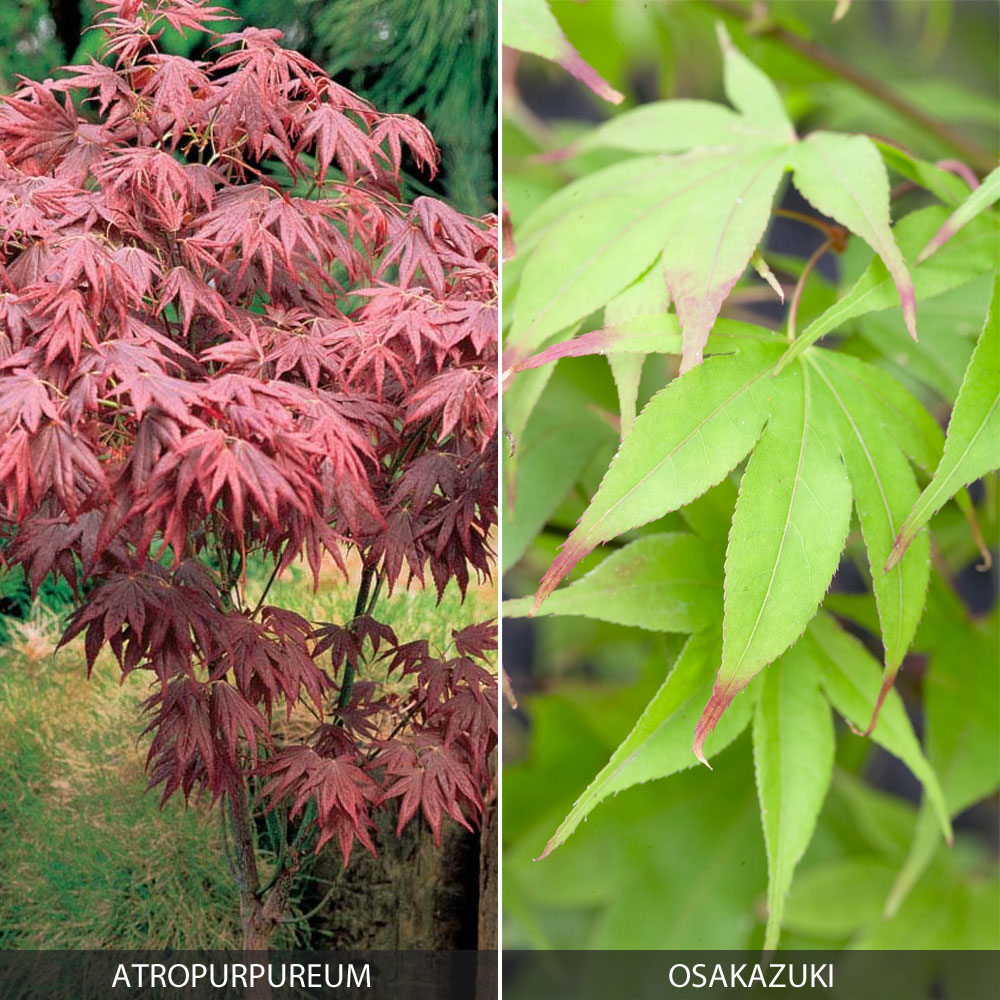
[223, 333]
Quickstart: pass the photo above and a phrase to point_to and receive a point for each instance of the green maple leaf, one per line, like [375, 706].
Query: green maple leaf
[825, 432]
[792, 737]
[973, 445]
[696, 217]
[529, 25]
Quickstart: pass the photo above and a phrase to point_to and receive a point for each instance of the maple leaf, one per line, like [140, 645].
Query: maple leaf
[433, 473]
[167, 189]
[429, 776]
[346, 643]
[53, 458]
[194, 296]
[471, 717]
[142, 613]
[229, 714]
[336, 137]
[25, 401]
[394, 130]
[411, 250]
[837, 429]
[600, 234]
[177, 89]
[529, 25]
[341, 790]
[67, 317]
[148, 388]
[476, 640]
[455, 398]
[186, 752]
[48, 545]
[110, 85]
[395, 544]
[269, 659]
[36, 130]
[213, 463]
[973, 441]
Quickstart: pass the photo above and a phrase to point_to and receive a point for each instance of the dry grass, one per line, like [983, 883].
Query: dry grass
[89, 860]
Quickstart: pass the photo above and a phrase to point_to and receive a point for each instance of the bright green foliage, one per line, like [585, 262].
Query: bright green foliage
[657, 746]
[686, 439]
[964, 258]
[530, 26]
[648, 297]
[788, 532]
[962, 729]
[665, 583]
[972, 447]
[698, 216]
[984, 196]
[793, 745]
[884, 489]
[557, 443]
[834, 428]
[844, 177]
[781, 465]
[849, 676]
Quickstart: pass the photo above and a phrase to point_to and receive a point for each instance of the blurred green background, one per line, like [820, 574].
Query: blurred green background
[680, 863]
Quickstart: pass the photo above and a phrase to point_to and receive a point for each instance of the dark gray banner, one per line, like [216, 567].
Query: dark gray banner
[232, 975]
[661, 975]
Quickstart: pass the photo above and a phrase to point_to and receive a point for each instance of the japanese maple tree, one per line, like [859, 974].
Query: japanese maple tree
[225, 337]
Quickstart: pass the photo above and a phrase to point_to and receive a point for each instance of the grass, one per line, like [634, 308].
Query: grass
[89, 860]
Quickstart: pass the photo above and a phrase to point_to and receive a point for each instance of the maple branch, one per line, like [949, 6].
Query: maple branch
[410, 715]
[305, 825]
[830, 230]
[226, 579]
[361, 607]
[793, 307]
[267, 587]
[969, 150]
[277, 817]
[379, 580]
[227, 850]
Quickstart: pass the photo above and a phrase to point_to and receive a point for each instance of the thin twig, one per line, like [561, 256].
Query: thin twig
[403, 722]
[267, 587]
[970, 151]
[793, 307]
[810, 220]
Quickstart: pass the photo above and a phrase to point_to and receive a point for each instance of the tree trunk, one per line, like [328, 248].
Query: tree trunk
[487, 969]
[256, 931]
[489, 899]
[260, 912]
